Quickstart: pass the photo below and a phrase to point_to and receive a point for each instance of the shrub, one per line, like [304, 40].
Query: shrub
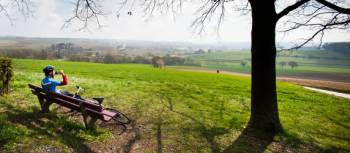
[6, 74]
[243, 63]
[293, 64]
[282, 63]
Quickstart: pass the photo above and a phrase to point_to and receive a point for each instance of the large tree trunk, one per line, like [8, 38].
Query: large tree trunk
[264, 110]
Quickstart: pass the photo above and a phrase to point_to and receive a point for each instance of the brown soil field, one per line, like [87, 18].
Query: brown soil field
[334, 82]
[334, 77]
[327, 85]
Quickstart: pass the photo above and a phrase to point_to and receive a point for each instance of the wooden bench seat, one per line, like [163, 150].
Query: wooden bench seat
[90, 111]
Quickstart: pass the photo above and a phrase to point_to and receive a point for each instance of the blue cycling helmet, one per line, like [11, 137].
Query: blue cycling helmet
[48, 69]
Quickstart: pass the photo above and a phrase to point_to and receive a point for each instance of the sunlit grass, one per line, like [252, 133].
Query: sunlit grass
[195, 112]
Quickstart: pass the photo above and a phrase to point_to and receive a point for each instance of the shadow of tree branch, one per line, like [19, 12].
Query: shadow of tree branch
[251, 141]
[50, 125]
[248, 141]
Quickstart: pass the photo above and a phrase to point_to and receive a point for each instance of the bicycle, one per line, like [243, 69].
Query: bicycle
[120, 118]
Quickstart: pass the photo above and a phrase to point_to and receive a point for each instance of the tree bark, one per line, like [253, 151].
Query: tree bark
[264, 111]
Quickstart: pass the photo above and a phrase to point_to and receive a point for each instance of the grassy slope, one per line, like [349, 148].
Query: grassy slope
[231, 61]
[179, 111]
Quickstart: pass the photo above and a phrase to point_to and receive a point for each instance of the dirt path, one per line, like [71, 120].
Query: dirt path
[347, 96]
[328, 85]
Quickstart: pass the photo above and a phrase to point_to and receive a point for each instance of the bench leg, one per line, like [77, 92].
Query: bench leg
[46, 107]
[89, 122]
[44, 104]
[92, 123]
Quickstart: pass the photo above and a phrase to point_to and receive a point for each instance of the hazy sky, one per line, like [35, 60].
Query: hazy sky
[50, 15]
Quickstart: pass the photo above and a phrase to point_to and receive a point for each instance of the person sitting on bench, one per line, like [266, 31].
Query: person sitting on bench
[48, 83]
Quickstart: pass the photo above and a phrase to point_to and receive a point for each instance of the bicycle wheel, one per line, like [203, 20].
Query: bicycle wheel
[120, 117]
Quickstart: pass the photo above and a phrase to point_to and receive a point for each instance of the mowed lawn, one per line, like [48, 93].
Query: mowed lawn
[172, 111]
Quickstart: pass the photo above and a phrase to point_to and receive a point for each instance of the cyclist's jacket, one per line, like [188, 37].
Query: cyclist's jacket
[48, 83]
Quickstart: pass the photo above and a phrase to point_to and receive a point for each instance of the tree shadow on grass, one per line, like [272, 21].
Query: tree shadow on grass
[159, 133]
[134, 132]
[338, 123]
[136, 137]
[248, 141]
[50, 125]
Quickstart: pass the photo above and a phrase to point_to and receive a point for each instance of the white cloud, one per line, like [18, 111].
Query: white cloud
[50, 15]
[45, 22]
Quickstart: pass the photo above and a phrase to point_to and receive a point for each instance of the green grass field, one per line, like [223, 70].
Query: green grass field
[172, 111]
[308, 61]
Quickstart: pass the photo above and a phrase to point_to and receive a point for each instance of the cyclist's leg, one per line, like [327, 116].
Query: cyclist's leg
[67, 93]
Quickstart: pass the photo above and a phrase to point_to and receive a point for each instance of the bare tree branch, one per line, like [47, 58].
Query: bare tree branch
[86, 11]
[4, 11]
[333, 23]
[23, 6]
[206, 12]
[291, 8]
[210, 7]
[299, 25]
[317, 15]
[314, 14]
[335, 7]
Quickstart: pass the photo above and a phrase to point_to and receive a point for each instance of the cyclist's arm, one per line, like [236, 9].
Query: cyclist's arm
[54, 82]
[65, 80]
[58, 83]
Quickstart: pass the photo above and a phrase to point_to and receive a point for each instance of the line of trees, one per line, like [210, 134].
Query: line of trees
[340, 47]
[96, 57]
[292, 64]
[28, 53]
[311, 57]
